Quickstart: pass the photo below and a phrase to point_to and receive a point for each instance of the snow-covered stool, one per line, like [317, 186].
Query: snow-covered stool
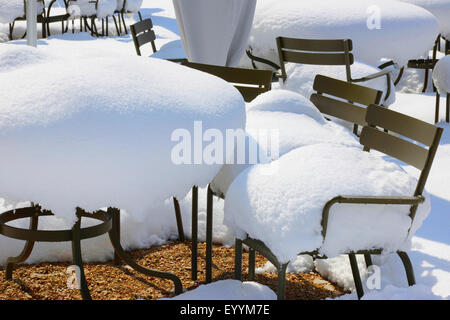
[441, 79]
[15, 10]
[124, 142]
[308, 204]
[124, 7]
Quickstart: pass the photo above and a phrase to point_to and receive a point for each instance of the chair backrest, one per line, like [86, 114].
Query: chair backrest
[401, 146]
[142, 33]
[336, 91]
[315, 51]
[249, 82]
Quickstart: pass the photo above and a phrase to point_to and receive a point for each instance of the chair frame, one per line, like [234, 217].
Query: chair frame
[323, 52]
[110, 223]
[371, 138]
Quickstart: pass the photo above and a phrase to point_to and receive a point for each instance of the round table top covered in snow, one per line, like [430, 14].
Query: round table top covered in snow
[103, 129]
[379, 29]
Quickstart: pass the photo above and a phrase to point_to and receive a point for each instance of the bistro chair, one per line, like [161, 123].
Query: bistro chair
[143, 33]
[250, 84]
[332, 98]
[395, 146]
[318, 52]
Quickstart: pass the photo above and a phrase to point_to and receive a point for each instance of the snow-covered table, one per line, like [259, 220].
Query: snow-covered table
[440, 9]
[379, 29]
[106, 130]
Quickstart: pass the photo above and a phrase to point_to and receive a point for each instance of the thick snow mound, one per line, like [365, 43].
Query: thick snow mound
[285, 101]
[83, 8]
[284, 209]
[101, 133]
[274, 132]
[440, 9]
[379, 29]
[130, 5]
[301, 78]
[13, 9]
[441, 75]
[229, 290]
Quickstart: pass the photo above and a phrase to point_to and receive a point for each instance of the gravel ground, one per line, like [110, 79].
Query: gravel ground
[48, 281]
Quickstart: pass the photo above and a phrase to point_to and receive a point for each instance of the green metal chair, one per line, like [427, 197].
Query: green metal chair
[323, 52]
[250, 84]
[143, 33]
[438, 96]
[394, 146]
[333, 98]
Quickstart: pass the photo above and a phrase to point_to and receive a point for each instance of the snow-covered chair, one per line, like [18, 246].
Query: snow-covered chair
[441, 79]
[15, 10]
[250, 84]
[319, 52]
[371, 138]
[56, 18]
[142, 33]
[127, 7]
[92, 10]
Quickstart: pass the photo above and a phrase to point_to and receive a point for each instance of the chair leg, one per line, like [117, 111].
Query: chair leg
[408, 267]
[356, 275]
[77, 259]
[368, 259]
[23, 256]
[129, 261]
[425, 82]
[119, 31]
[282, 282]
[176, 204]
[238, 260]
[447, 116]
[436, 113]
[209, 230]
[194, 267]
[251, 264]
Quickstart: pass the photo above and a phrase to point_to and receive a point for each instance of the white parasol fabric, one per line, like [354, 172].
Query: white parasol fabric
[214, 31]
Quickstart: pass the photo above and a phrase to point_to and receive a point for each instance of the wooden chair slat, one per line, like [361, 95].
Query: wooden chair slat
[402, 124]
[315, 45]
[346, 90]
[146, 37]
[340, 109]
[316, 58]
[393, 146]
[142, 26]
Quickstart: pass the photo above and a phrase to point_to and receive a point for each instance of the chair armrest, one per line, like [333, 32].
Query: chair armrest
[373, 76]
[262, 60]
[384, 200]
